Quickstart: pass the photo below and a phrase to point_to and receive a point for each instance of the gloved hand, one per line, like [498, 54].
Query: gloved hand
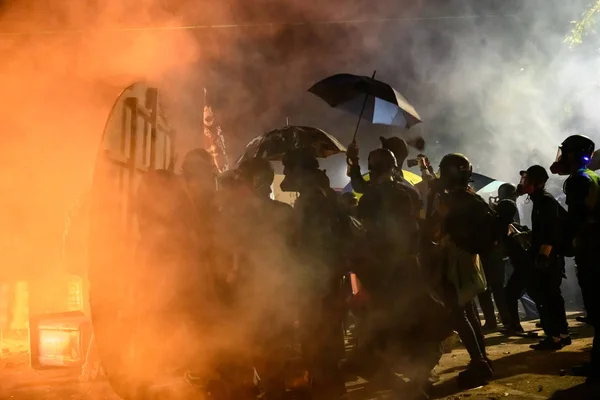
[352, 153]
[542, 261]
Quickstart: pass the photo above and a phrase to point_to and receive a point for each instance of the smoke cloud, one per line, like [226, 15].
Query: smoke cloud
[491, 81]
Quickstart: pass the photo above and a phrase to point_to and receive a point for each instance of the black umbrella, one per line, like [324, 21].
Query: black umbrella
[273, 145]
[368, 98]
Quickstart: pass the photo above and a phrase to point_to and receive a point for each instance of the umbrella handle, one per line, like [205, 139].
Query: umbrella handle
[362, 111]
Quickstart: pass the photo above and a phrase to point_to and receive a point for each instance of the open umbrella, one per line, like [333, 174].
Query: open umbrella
[367, 98]
[490, 189]
[479, 181]
[273, 145]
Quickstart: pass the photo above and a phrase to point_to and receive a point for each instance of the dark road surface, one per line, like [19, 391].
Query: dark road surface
[520, 374]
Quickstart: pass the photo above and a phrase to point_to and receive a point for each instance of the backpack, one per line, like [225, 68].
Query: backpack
[474, 226]
[565, 241]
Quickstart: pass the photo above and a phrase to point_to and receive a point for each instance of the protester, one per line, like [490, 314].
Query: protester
[319, 247]
[547, 216]
[399, 149]
[396, 325]
[462, 241]
[582, 187]
[270, 269]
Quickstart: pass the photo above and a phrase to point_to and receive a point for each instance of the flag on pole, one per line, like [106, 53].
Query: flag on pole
[214, 141]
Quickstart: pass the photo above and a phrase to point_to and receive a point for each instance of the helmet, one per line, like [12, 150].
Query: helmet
[381, 161]
[578, 144]
[455, 169]
[397, 146]
[579, 148]
[506, 191]
[257, 172]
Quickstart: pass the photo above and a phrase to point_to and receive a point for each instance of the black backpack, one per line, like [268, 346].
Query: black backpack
[565, 241]
[476, 228]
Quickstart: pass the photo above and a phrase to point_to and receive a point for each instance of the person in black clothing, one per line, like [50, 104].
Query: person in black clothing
[398, 294]
[508, 191]
[583, 228]
[458, 207]
[548, 261]
[261, 228]
[319, 247]
[399, 149]
[494, 265]
[516, 243]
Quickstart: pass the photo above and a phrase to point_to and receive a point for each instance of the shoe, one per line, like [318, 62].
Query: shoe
[593, 377]
[478, 373]
[513, 330]
[581, 370]
[538, 324]
[547, 344]
[565, 341]
[489, 327]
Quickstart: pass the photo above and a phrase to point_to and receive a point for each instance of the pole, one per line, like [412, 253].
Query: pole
[287, 121]
[362, 111]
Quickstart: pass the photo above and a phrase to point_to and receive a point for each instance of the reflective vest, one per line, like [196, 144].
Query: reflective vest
[593, 197]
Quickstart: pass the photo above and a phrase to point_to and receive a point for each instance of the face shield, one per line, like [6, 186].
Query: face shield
[559, 166]
[558, 155]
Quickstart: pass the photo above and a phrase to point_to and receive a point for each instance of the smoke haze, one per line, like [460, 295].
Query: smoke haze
[491, 80]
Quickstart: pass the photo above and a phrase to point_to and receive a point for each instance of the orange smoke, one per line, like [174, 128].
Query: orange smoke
[57, 90]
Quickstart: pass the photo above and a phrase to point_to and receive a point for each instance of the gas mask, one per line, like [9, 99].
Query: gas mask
[562, 165]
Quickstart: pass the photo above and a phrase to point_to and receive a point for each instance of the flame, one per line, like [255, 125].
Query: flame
[55, 344]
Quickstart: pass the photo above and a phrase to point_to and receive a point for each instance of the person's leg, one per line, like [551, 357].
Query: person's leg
[556, 304]
[467, 334]
[487, 307]
[588, 275]
[497, 286]
[479, 371]
[513, 291]
[531, 310]
[552, 308]
[585, 276]
[537, 288]
[471, 312]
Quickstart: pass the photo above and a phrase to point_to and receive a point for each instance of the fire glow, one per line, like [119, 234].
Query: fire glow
[60, 345]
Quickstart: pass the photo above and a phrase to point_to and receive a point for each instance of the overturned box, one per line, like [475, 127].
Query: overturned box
[59, 339]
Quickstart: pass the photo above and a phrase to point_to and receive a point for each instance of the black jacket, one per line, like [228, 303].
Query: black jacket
[360, 185]
[545, 222]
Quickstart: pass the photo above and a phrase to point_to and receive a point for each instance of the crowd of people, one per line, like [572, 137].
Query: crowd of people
[421, 254]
